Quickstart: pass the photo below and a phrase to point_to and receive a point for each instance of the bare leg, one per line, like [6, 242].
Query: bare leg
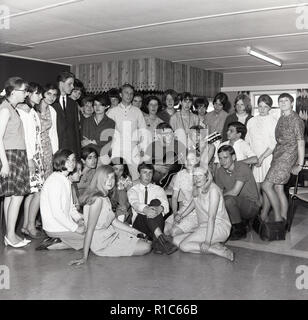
[179, 238]
[265, 207]
[6, 204]
[27, 203]
[33, 210]
[220, 250]
[268, 188]
[176, 231]
[142, 248]
[282, 199]
[12, 214]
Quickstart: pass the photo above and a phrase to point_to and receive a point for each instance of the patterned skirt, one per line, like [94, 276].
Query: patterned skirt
[17, 183]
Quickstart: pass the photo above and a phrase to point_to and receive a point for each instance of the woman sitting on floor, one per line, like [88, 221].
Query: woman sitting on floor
[61, 220]
[106, 235]
[213, 221]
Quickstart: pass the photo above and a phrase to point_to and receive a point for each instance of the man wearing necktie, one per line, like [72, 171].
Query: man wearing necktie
[149, 205]
[67, 115]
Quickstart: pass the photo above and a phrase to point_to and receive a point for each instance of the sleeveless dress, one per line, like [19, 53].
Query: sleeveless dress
[288, 131]
[108, 240]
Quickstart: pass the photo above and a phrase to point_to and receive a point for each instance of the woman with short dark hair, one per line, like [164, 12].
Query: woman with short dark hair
[14, 170]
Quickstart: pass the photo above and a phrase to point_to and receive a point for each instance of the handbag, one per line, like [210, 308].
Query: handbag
[271, 230]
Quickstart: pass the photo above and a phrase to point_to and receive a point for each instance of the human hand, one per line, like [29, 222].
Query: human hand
[204, 247]
[150, 212]
[5, 170]
[78, 262]
[260, 161]
[81, 229]
[296, 170]
[177, 218]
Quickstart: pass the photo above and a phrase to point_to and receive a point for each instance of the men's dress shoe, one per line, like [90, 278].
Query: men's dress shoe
[47, 242]
[167, 246]
[238, 231]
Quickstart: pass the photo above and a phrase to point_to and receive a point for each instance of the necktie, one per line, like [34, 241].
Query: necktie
[146, 195]
[63, 103]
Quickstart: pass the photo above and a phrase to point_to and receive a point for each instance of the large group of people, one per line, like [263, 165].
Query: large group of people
[121, 174]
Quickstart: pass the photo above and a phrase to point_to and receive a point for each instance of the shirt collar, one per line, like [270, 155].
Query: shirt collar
[124, 107]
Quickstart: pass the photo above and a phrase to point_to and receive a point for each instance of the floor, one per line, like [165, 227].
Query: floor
[256, 273]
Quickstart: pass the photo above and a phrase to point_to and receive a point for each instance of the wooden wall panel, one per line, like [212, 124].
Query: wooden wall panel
[149, 74]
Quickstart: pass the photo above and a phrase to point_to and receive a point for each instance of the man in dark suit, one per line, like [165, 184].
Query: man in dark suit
[67, 114]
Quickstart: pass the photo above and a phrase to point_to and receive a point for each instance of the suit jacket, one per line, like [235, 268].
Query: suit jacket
[68, 126]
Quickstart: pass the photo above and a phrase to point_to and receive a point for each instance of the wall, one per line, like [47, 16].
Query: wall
[31, 70]
[148, 74]
[273, 78]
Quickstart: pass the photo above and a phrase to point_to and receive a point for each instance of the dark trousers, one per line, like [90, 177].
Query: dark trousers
[239, 208]
[149, 225]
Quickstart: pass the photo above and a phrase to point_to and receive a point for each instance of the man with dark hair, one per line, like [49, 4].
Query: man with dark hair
[67, 114]
[150, 204]
[236, 134]
[240, 191]
[166, 154]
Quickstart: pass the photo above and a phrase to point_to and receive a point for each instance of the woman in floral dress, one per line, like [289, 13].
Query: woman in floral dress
[48, 118]
[288, 156]
[32, 128]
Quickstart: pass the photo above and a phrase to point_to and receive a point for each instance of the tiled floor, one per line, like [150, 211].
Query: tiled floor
[256, 273]
[296, 243]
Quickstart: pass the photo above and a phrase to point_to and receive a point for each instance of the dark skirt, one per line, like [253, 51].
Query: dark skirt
[17, 183]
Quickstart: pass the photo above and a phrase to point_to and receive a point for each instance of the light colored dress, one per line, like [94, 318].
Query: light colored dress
[183, 183]
[260, 136]
[107, 240]
[222, 224]
[32, 128]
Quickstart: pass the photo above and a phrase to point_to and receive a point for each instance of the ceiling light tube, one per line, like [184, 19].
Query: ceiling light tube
[264, 56]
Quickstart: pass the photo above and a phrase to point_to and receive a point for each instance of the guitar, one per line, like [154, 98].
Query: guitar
[164, 173]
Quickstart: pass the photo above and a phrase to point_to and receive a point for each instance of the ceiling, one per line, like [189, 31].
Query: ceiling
[207, 34]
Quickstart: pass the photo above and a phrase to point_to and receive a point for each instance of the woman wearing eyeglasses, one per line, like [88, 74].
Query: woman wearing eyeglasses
[14, 170]
[183, 120]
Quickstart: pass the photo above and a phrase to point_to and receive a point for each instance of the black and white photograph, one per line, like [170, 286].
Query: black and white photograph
[153, 153]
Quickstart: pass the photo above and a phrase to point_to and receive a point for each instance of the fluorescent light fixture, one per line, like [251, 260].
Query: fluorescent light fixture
[264, 56]
[55, 5]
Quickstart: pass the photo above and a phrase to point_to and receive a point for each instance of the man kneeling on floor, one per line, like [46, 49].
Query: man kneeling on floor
[213, 221]
[149, 203]
[239, 189]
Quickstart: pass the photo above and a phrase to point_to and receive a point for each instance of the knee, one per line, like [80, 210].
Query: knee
[143, 248]
[265, 186]
[183, 246]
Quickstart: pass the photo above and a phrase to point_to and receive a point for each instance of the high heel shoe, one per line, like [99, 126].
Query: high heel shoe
[20, 244]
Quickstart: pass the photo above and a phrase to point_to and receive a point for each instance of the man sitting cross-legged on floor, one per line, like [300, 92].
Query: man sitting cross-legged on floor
[150, 204]
[214, 225]
[240, 191]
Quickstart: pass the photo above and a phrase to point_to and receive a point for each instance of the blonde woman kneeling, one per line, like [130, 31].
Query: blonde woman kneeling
[106, 235]
[213, 221]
